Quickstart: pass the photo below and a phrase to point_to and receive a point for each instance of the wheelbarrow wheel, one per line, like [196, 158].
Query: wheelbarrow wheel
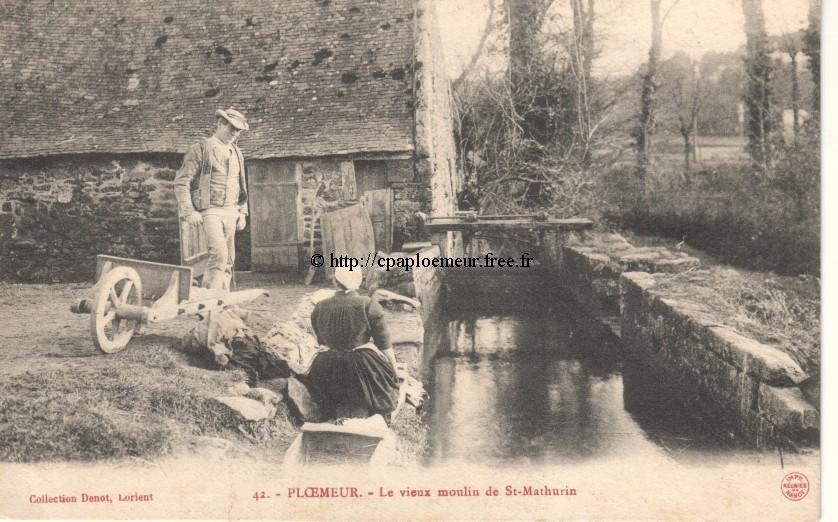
[119, 286]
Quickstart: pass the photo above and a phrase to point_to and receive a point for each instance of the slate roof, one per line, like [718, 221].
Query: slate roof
[314, 77]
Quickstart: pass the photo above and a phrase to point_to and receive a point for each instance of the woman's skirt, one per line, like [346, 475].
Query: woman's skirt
[356, 383]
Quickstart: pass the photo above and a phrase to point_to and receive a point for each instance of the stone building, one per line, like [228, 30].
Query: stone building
[347, 100]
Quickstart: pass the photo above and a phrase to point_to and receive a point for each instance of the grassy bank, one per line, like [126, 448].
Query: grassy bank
[145, 403]
[775, 310]
[725, 211]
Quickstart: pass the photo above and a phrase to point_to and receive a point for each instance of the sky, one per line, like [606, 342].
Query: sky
[693, 26]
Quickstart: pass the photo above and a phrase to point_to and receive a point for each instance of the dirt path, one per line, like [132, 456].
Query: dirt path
[39, 332]
[61, 399]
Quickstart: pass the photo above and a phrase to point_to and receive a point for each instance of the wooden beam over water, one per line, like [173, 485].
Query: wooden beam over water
[461, 224]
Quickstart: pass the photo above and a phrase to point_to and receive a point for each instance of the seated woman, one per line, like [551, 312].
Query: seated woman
[354, 378]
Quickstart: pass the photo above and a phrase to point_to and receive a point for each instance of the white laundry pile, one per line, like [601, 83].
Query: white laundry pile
[294, 339]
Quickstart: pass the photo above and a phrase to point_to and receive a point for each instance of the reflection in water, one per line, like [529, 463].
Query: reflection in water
[535, 388]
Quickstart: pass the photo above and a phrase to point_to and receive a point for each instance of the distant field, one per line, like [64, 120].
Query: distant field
[711, 150]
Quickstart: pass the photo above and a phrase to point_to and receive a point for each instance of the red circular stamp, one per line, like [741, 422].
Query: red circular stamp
[795, 486]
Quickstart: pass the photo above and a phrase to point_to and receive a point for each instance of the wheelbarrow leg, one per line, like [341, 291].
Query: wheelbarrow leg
[167, 306]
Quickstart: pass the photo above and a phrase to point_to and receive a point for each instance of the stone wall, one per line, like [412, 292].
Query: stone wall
[679, 349]
[435, 149]
[430, 290]
[409, 199]
[60, 212]
[590, 269]
[748, 387]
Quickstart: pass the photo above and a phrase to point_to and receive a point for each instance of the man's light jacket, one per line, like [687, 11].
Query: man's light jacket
[193, 187]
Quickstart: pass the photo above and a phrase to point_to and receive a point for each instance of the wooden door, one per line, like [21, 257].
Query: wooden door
[379, 204]
[273, 189]
[347, 231]
[376, 194]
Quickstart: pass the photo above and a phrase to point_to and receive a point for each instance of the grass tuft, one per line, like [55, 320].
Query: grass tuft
[775, 310]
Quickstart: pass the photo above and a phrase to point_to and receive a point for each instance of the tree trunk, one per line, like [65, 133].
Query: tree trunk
[687, 150]
[757, 91]
[795, 95]
[695, 138]
[812, 49]
[523, 54]
[583, 55]
[523, 42]
[478, 52]
[647, 95]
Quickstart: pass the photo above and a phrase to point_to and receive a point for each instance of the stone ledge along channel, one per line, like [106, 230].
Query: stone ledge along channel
[577, 360]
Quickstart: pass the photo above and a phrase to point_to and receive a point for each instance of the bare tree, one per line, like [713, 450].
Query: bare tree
[689, 98]
[481, 46]
[526, 139]
[582, 53]
[812, 49]
[646, 127]
[791, 46]
[525, 19]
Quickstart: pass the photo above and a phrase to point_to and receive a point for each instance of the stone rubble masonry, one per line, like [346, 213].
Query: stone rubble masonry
[753, 385]
[327, 180]
[58, 213]
[408, 200]
[430, 290]
[591, 269]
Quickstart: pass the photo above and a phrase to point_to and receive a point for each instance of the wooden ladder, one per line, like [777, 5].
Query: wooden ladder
[315, 219]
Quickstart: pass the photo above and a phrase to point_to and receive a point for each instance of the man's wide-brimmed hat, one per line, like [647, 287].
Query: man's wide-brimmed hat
[350, 279]
[235, 118]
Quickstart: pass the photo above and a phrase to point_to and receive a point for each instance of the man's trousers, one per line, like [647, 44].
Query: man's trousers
[220, 229]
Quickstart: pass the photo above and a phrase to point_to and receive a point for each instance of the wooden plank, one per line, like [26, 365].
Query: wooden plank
[193, 247]
[379, 204]
[154, 277]
[371, 175]
[416, 246]
[347, 174]
[388, 222]
[298, 180]
[347, 231]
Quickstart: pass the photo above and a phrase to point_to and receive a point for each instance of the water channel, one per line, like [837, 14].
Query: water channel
[529, 381]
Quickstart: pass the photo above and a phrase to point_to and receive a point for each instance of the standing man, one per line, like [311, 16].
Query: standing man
[210, 190]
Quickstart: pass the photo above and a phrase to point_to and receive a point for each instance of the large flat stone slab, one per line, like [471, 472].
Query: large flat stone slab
[247, 409]
[590, 270]
[302, 400]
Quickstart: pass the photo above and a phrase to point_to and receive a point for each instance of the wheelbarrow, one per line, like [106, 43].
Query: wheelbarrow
[130, 293]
